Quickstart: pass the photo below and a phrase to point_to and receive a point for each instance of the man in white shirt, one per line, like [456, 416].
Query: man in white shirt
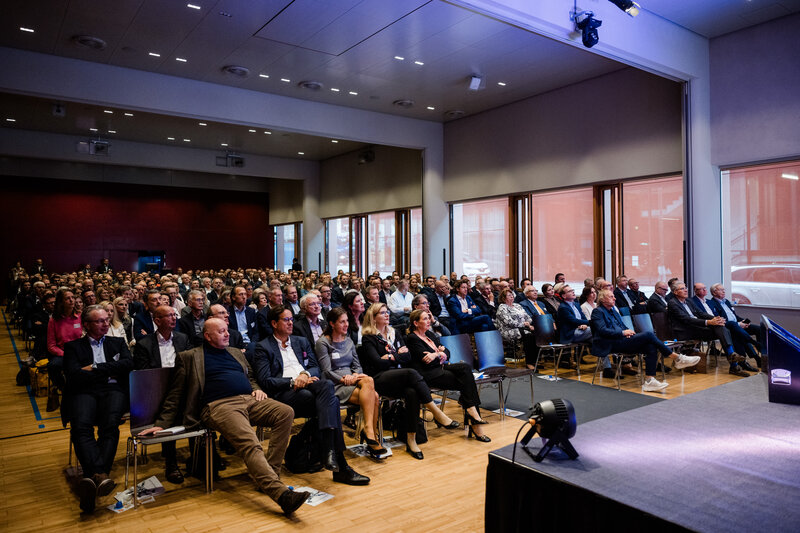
[400, 304]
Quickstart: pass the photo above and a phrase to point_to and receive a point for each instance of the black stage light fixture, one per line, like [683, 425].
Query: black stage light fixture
[554, 421]
[628, 6]
[588, 26]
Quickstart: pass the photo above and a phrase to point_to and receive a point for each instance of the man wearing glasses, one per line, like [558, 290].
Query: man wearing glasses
[286, 369]
[96, 368]
[657, 303]
[307, 323]
[159, 350]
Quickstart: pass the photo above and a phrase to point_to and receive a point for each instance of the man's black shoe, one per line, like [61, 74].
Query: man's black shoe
[87, 491]
[747, 366]
[350, 477]
[329, 461]
[609, 373]
[104, 484]
[736, 371]
[290, 501]
[173, 473]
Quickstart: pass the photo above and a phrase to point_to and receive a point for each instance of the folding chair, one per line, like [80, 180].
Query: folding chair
[461, 352]
[545, 332]
[491, 360]
[147, 391]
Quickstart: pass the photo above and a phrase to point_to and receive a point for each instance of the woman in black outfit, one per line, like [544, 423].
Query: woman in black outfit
[384, 356]
[428, 357]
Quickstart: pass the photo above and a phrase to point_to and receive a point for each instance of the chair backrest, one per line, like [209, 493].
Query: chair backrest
[460, 348]
[661, 326]
[624, 311]
[642, 323]
[626, 319]
[489, 345]
[147, 388]
[544, 330]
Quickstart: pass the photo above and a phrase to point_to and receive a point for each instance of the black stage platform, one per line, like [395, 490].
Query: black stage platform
[724, 459]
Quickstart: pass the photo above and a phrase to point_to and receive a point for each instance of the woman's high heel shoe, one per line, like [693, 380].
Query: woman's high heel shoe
[374, 452]
[452, 425]
[469, 420]
[482, 438]
[415, 455]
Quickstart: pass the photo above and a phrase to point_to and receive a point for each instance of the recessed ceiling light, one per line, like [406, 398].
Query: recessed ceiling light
[128, 114]
[181, 59]
[353, 93]
[108, 111]
[112, 131]
[252, 131]
[334, 141]
[501, 83]
[202, 124]
[187, 140]
[285, 80]
[400, 58]
[431, 107]
[301, 153]
[225, 14]
[223, 144]
[334, 89]
[170, 138]
[263, 75]
[267, 133]
[23, 28]
[11, 120]
[418, 63]
[192, 6]
[92, 129]
[153, 54]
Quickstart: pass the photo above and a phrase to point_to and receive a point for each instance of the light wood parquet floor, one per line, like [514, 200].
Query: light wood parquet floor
[444, 492]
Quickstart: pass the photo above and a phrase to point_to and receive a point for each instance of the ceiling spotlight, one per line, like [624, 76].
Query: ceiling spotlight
[588, 26]
[629, 7]
[475, 82]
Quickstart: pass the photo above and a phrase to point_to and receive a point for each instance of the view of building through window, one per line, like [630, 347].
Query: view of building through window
[338, 243]
[416, 240]
[284, 246]
[381, 246]
[480, 238]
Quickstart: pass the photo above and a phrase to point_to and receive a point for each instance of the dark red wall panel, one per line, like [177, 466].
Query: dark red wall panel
[70, 223]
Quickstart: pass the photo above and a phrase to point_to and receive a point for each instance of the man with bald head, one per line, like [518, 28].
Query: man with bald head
[216, 385]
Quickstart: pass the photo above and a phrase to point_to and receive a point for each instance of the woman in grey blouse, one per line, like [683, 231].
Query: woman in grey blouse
[338, 361]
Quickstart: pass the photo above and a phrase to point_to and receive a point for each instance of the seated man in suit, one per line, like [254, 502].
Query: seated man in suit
[216, 385]
[573, 327]
[96, 368]
[309, 324]
[286, 368]
[609, 335]
[638, 297]
[159, 350]
[690, 323]
[143, 322]
[292, 300]
[741, 329]
[465, 315]
[191, 323]
[622, 294]
[485, 299]
[274, 298]
[386, 290]
[530, 303]
[438, 303]
[657, 302]
[243, 319]
[421, 301]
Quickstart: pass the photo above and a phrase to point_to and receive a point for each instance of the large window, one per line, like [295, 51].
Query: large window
[761, 221]
[381, 249]
[416, 240]
[480, 238]
[652, 230]
[337, 232]
[563, 236]
[286, 248]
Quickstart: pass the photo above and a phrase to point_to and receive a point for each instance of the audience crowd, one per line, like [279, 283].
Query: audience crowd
[259, 347]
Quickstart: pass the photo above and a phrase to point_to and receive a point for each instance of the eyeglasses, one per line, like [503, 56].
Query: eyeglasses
[287, 319]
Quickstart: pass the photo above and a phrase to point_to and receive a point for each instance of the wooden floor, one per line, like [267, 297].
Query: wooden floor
[444, 492]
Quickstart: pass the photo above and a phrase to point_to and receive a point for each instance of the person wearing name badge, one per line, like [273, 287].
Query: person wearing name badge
[465, 315]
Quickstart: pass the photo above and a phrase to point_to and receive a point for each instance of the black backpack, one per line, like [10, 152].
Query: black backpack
[304, 453]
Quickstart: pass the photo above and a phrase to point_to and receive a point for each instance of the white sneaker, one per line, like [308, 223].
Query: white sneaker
[653, 385]
[684, 361]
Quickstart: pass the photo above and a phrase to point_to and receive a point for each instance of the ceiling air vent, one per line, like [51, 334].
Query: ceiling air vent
[404, 103]
[236, 70]
[454, 113]
[310, 85]
[95, 43]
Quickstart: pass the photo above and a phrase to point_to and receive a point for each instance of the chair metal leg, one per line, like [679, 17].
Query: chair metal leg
[502, 401]
[209, 462]
[135, 475]
[597, 367]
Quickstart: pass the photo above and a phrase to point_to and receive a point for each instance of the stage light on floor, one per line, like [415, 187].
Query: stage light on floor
[554, 421]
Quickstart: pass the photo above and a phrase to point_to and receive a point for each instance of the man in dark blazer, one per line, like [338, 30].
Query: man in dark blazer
[465, 315]
[191, 323]
[740, 328]
[623, 295]
[159, 350]
[690, 323]
[485, 299]
[438, 303]
[286, 368]
[573, 326]
[531, 304]
[243, 318]
[639, 298]
[236, 340]
[609, 335]
[309, 323]
[143, 322]
[657, 302]
[96, 368]
[216, 386]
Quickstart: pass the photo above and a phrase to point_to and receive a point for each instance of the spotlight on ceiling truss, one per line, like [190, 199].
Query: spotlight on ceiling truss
[628, 6]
